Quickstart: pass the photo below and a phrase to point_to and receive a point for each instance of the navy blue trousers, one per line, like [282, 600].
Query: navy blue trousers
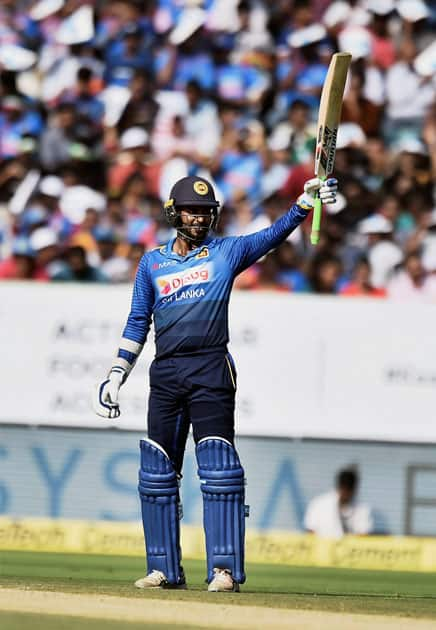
[197, 390]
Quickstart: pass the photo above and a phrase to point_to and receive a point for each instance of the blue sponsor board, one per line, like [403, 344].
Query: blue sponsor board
[92, 474]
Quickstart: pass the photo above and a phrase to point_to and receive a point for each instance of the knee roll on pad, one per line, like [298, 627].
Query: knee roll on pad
[159, 492]
[223, 488]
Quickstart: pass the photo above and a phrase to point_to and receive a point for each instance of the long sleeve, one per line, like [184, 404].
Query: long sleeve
[138, 322]
[245, 250]
[139, 319]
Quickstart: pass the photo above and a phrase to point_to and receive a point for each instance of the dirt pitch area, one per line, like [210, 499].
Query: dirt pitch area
[193, 613]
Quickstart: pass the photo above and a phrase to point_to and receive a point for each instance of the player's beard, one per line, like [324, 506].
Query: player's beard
[194, 234]
[186, 233]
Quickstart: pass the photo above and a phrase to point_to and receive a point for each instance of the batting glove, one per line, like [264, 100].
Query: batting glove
[105, 399]
[326, 190]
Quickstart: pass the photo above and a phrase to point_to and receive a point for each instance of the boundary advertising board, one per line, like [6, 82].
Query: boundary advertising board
[307, 366]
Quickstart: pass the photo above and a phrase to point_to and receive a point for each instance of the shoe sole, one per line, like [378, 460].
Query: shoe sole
[235, 589]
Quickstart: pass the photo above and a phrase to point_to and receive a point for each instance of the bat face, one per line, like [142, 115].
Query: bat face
[330, 114]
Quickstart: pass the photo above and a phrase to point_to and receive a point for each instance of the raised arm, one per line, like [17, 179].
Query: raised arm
[132, 341]
[247, 249]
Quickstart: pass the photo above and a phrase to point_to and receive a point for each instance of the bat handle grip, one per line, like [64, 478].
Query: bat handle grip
[316, 222]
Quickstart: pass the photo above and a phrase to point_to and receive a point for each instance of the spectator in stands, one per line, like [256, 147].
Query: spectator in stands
[134, 158]
[308, 74]
[127, 55]
[176, 142]
[267, 275]
[11, 173]
[296, 132]
[360, 283]
[421, 231]
[238, 169]
[382, 47]
[236, 82]
[16, 121]
[202, 122]
[411, 177]
[84, 97]
[21, 264]
[77, 268]
[58, 139]
[114, 267]
[324, 274]
[337, 512]
[357, 107]
[379, 164]
[383, 253]
[142, 108]
[44, 243]
[408, 95]
[410, 283]
[290, 272]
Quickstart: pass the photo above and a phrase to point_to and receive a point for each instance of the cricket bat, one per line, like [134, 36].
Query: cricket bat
[329, 117]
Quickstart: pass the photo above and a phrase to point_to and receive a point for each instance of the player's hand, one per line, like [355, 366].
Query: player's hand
[326, 190]
[105, 398]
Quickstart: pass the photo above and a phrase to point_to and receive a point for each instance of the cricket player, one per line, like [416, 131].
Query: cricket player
[185, 287]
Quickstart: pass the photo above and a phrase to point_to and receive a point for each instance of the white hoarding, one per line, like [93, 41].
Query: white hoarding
[307, 366]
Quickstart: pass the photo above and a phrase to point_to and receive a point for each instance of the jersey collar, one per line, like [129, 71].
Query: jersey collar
[168, 252]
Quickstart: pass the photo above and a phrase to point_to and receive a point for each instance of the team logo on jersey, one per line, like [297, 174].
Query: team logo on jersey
[203, 254]
[201, 188]
[172, 282]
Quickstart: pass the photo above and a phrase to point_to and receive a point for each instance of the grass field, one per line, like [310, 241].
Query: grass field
[404, 595]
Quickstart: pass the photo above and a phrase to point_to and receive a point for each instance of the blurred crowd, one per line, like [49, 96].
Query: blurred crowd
[104, 105]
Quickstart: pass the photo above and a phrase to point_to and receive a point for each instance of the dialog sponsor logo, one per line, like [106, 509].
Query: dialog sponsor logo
[169, 284]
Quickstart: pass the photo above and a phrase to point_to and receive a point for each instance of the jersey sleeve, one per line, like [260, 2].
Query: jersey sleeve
[245, 250]
[138, 322]
[139, 319]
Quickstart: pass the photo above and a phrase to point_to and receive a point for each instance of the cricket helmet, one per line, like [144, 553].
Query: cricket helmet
[189, 192]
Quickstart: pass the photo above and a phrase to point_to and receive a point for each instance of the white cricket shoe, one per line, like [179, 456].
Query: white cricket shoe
[157, 579]
[222, 581]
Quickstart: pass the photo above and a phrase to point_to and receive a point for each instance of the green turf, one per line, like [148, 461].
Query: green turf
[28, 621]
[381, 592]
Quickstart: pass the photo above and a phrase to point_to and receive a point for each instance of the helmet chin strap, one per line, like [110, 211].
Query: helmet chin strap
[183, 232]
[186, 237]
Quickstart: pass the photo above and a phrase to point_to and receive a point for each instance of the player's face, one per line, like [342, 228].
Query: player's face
[197, 219]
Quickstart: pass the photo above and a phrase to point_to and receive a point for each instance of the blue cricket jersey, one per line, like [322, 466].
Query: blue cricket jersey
[188, 296]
